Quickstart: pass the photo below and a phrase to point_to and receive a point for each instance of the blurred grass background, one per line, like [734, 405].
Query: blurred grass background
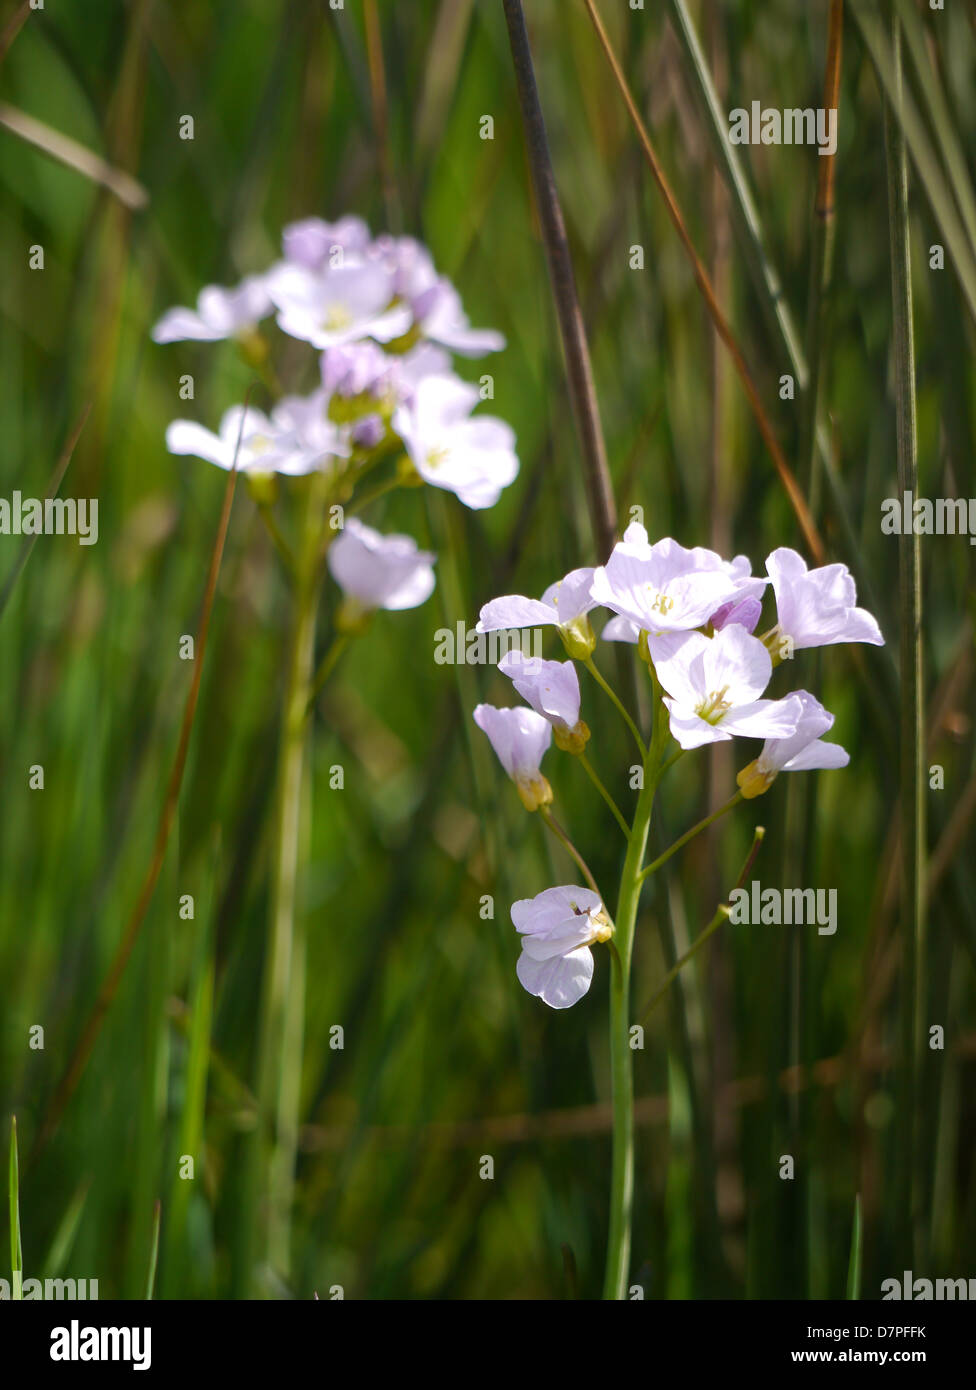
[777, 1041]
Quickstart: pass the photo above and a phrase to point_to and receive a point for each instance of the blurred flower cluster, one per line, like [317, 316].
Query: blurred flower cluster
[384, 324]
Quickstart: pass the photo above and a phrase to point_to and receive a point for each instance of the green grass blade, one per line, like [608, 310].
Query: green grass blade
[16, 1248]
[854, 1263]
[923, 154]
[153, 1252]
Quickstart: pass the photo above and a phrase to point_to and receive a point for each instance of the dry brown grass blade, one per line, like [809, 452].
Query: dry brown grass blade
[83, 1050]
[78, 157]
[790, 484]
[603, 512]
[13, 27]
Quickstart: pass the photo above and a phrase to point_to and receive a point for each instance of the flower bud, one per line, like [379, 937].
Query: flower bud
[578, 636]
[263, 487]
[352, 617]
[253, 347]
[534, 791]
[753, 782]
[571, 740]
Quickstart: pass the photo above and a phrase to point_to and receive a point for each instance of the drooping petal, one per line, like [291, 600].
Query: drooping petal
[559, 982]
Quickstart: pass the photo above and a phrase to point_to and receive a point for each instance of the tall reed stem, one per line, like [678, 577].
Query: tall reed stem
[621, 1055]
[912, 728]
[283, 1007]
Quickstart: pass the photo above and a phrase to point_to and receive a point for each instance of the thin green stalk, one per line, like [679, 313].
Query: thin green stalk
[912, 727]
[854, 1263]
[567, 843]
[721, 915]
[591, 666]
[16, 1248]
[327, 665]
[689, 835]
[591, 773]
[621, 1055]
[282, 1017]
[153, 1252]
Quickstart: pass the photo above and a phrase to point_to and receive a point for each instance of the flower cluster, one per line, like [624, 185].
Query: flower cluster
[384, 324]
[693, 617]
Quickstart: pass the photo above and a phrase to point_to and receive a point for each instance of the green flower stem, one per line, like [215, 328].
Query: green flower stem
[617, 813]
[673, 759]
[281, 1035]
[689, 835]
[266, 513]
[591, 666]
[621, 1056]
[722, 913]
[564, 840]
[327, 665]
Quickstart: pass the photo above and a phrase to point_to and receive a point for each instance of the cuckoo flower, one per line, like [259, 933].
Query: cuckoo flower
[296, 438]
[557, 928]
[666, 588]
[714, 685]
[471, 456]
[313, 243]
[520, 738]
[337, 305]
[815, 608]
[564, 605]
[220, 313]
[801, 751]
[552, 689]
[377, 571]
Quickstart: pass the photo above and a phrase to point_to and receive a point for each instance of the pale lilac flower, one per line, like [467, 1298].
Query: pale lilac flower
[557, 928]
[551, 687]
[471, 456]
[666, 588]
[338, 305]
[564, 605]
[296, 438]
[520, 737]
[358, 369]
[815, 608]
[714, 685]
[434, 302]
[377, 571]
[220, 313]
[744, 611]
[311, 241]
[801, 751]
[442, 320]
